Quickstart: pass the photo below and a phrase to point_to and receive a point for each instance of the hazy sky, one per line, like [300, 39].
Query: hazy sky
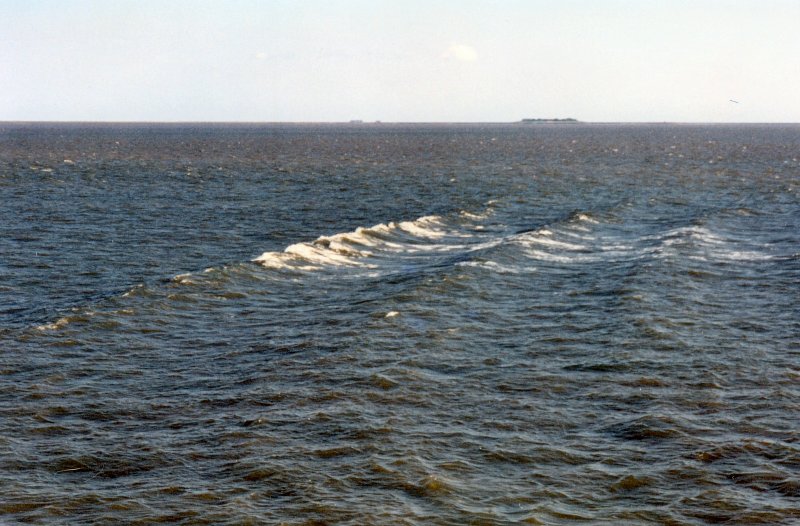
[405, 60]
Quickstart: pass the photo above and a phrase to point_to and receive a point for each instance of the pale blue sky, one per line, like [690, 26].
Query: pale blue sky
[407, 60]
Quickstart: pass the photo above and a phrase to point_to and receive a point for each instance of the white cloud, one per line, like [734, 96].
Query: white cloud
[261, 55]
[461, 53]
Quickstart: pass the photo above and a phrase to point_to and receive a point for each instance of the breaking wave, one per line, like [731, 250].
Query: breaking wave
[466, 240]
[366, 247]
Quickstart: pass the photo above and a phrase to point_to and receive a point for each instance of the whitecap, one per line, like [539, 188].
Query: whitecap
[428, 227]
[587, 219]
[691, 232]
[358, 248]
[741, 255]
[558, 258]
[61, 323]
[66, 320]
[496, 267]
[549, 241]
[472, 216]
[280, 260]
[183, 279]
[616, 248]
[321, 254]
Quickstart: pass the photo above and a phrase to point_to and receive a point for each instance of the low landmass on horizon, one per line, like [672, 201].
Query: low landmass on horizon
[546, 121]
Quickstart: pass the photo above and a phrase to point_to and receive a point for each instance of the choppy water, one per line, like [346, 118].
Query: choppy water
[388, 324]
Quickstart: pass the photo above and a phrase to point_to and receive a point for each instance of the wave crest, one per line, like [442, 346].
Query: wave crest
[363, 247]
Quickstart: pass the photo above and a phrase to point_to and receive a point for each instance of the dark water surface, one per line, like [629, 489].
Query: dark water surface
[399, 324]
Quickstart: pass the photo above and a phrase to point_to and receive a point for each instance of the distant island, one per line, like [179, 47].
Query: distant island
[546, 121]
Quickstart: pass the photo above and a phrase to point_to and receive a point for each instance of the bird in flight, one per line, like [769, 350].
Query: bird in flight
[734, 101]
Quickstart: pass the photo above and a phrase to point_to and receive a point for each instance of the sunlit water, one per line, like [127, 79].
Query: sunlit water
[386, 324]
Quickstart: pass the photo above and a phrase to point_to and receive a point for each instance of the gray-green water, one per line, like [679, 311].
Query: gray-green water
[399, 324]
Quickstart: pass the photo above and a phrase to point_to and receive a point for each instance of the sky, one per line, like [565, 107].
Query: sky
[400, 61]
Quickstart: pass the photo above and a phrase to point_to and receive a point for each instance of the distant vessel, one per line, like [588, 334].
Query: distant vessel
[546, 121]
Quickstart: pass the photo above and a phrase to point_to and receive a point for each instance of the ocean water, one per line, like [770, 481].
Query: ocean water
[399, 324]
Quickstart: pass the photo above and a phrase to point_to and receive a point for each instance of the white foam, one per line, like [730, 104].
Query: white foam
[61, 323]
[371, 237]
[135, 290]
[474, 217]
[695, 233]
[323, 255]
[741, 255]
[559, 258]
[66, 320]
[496, 267]
[550, 242]
[616, 248]
[576, 235]
[706, 245]
[343, 244]
[183, 279]
[427, 227]
[485, 245]
[280, 260]
[704, 235]
[357, 248]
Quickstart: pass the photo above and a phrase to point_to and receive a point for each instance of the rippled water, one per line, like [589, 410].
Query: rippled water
[397, 324]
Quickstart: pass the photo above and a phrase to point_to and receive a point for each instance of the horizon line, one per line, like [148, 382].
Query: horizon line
[380, 122]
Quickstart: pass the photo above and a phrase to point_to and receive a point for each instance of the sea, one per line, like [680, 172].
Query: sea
[399, 324]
